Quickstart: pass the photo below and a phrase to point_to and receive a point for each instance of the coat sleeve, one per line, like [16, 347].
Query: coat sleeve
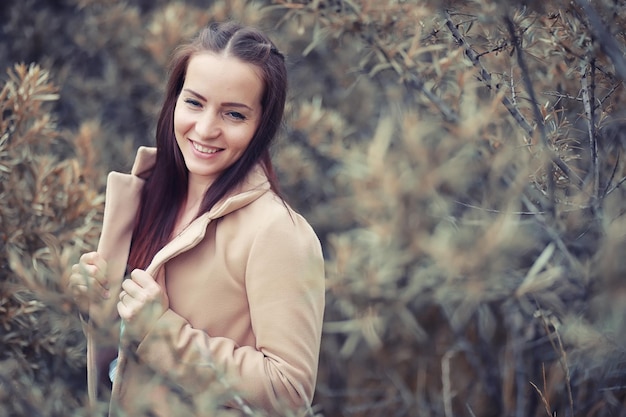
[285, 288]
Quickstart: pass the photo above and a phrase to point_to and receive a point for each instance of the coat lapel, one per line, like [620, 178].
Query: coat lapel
[195, 232]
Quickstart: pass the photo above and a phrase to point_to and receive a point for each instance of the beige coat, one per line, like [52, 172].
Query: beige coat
[246, 290]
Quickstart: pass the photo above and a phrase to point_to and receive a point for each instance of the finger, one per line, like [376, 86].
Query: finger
[82, 283]
[81, 296]
[124, 312]
[151, 289]
[125, 298]
[143, 279]
[95, 264]
[133, 289]
[80, 291]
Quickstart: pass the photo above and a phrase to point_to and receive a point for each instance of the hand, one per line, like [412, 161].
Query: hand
[142, 302]
[88, 281]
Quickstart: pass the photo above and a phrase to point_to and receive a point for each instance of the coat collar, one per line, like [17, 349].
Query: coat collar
[251, 188]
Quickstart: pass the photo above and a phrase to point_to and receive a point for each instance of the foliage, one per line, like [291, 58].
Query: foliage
[49, 213]
[461, 161]
[477, 276]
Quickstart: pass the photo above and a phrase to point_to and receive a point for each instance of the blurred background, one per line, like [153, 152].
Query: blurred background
[461, 162]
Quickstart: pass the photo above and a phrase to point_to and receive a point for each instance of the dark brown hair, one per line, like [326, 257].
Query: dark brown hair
[166, 189]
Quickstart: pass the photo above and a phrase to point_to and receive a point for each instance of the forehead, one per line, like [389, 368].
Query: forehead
[224, 78]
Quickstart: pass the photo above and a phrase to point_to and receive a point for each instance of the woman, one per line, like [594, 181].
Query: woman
[225, 296]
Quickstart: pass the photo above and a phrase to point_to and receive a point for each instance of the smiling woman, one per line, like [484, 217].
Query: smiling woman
[226, 283]
[216, 115]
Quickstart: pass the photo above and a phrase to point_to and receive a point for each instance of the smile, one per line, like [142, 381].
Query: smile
[204, 149]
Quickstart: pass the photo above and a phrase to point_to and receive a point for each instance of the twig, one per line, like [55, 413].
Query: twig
[498, 48]
[469, 410]
[544, 400]
[417, 83]
[561, 95]
[560, 350]
[495, 211]
[517, 47]
[607, 95]
[554, 235]
[513, 93]
[411, 80]
[588, 98]
[616, 186]
[605, 40]
[612, 177]
[485, 76]
[446, 383]
[521, 61]
[520, 373]
[568, 378]
[614, 388]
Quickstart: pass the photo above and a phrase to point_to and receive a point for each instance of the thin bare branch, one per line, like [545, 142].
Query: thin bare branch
[414, 81]
[485, 76]
[554, 235]
[609, 94]
[526, 77]
[553, 157]
[587, 71]
[605, 40]
[543, 398]
[612, 177]
[417, 83]
[446, 382]
[561, 95]
[409, 79]
[616, 186]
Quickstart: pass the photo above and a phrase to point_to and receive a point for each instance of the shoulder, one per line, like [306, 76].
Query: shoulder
[269, 219]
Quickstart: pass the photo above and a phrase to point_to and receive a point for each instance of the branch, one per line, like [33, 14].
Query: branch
[554, 158]
[560, 95]
[517, 44]
[616, 186]
[416, 82]
[485, 76]
[605, 40]
[588, 98]
[612, 177]
[554, 234]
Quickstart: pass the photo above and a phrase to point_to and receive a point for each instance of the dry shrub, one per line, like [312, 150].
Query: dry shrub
[474, 216]
[49, 214]
[465, 178]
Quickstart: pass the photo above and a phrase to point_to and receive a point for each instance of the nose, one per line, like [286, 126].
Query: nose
[208, 125]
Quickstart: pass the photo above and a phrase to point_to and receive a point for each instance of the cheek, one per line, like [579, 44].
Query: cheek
[245, 139]
[180, 119]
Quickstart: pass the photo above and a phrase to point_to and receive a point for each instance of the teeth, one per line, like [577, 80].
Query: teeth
[203, 149]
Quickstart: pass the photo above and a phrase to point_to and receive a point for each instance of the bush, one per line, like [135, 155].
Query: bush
[463, 168]
[50, 213]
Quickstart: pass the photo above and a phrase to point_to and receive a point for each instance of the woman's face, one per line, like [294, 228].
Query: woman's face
[216, 114]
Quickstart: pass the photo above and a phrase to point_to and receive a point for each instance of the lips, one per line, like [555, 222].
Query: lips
[204, 149]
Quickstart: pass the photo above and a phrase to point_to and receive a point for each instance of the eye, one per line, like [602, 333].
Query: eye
[192, 102]
[236, 115]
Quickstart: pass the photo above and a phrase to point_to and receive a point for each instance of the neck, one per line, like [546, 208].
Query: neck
[196, 189]
[190, 207]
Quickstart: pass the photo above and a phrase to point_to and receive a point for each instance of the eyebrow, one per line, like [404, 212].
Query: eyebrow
[228, 104]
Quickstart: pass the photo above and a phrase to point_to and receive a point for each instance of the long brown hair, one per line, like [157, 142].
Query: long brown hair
[166, 189]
